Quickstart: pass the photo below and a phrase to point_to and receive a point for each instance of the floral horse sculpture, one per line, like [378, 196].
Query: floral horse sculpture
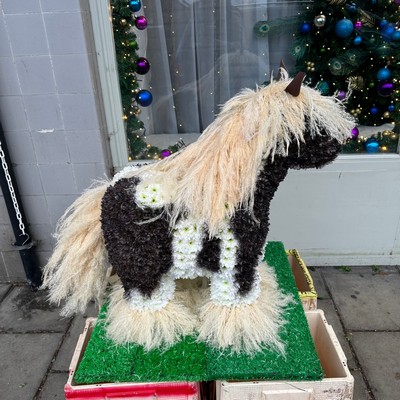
[203, 211]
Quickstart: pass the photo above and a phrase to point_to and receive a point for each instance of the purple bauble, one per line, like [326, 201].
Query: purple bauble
[354, 133]
[142, 66]
[385, 88]
[358, 25]
[165, 153]
[341, 95]
[397, 2]
[141, 22]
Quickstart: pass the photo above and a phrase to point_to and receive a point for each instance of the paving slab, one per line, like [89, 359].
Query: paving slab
[4, 287]
[366, 300]
[319, 284]
[67, 349]
[25, 359]
[53, 388]
[360, 388]
[333, 319]
[379, 355]
[24, 310]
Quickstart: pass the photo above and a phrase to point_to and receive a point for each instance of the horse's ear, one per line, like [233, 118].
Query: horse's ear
[282, 67]
[294, 87]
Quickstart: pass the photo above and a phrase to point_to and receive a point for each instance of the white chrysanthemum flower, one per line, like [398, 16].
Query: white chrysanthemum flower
[159, 298]
[126, 172]
[223, 291]
[187, 243]
[150, 195]
[227, 263]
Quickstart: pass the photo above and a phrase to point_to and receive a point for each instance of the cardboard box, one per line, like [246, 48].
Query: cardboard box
[119, 391]
[338, 383]
[304, 282]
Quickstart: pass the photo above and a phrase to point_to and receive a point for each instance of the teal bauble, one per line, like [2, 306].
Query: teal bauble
[371, 145]
[135, 5]
[323, 87]
[384, 74]
[396, 36]
[344, 28]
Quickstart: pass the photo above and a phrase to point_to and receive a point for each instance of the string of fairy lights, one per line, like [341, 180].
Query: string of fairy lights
[351, 49]
[127, 22]
[348, 49]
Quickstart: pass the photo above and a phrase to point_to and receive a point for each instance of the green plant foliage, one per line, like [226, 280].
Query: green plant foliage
[126, 50]
[388, 143]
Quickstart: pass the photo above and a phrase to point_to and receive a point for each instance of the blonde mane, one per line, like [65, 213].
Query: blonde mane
[217, 174]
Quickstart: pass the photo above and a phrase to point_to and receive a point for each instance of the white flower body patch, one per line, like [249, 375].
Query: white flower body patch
[187, 242]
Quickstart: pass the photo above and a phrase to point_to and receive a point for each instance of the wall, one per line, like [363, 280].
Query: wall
[347, 213]
[49, 112]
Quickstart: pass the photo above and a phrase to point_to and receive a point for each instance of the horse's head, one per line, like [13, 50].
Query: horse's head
[313, 151]
[300, 124]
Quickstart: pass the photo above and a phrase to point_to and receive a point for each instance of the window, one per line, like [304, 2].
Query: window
[201, 53]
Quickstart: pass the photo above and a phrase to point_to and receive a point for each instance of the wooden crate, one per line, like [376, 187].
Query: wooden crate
[338, 383]
[119, 391]
[304, 282]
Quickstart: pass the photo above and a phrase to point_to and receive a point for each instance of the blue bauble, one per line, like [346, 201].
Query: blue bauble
[373, 2]
[144, 98]
[388, 31]
[396, 36]
[135, 5]
[384, 74]
[344, 28]
[391, 108]
[351, 8]
[357, 40]
[382, 23]
[371, 145]
[374, 110]
[305, 28]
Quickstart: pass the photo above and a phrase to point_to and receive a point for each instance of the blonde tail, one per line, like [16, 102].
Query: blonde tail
[77, 269]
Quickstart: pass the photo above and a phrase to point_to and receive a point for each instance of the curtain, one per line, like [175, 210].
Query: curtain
[202, 52]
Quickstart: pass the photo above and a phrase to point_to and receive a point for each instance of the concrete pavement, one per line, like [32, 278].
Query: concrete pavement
[361, 303]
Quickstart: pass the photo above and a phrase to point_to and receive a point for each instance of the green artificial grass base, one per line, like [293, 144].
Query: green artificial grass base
[189, 360]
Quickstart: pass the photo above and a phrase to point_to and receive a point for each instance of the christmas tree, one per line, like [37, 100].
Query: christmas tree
[351, 49]
[126, 23]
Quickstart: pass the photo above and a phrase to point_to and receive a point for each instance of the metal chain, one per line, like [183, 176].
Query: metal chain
[12, 193]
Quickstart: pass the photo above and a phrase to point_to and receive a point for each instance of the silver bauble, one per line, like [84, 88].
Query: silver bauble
[319, 21]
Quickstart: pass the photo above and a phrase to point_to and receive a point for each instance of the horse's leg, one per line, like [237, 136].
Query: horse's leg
[236, 279]
[139, 246]
[140, 251]
[244, 313]
[223, 288]
[251, 236]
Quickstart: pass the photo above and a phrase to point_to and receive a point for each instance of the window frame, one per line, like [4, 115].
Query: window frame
[109, 81]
